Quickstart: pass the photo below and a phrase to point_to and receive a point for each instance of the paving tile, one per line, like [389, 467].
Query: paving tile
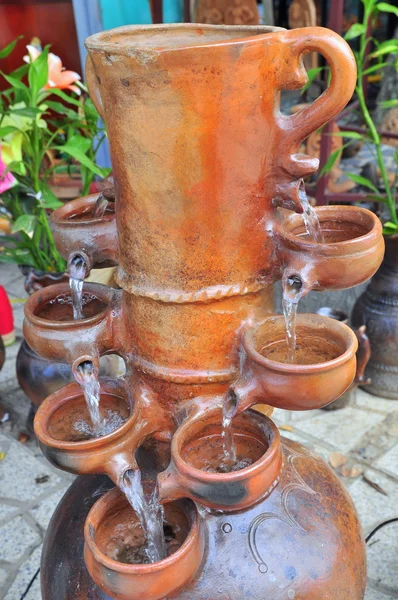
[15, 402]
[35, 591]
[44, 511]
[372, 506]
[6, 510]
[389, 462]
[16, 288]
[19, 314]
[8, 274]
[3, 576]
[342, 428]
[24, 577]
[16, 538]
[19, 470]
[365, 400]
[382, 559]
[372, 594]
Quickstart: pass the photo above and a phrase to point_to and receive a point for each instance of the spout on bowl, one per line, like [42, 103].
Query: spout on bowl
[78, 230]
[51, 331]
[323, 368]
[349, 253]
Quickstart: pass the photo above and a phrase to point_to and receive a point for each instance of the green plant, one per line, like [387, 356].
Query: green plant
[40, 121]
[368, 64]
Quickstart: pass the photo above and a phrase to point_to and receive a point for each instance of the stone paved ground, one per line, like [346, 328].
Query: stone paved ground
[366, 433]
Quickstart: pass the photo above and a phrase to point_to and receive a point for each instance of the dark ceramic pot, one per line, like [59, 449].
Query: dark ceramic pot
[281, 548]
[363, 355]
[377, 308]
[37, 376]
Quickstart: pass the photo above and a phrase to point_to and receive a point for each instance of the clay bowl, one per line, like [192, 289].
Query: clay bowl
[324, 365]
[51, 331]
[197, 455]
[63, 430]
[77, 230]
[351, 252]
[112, 516]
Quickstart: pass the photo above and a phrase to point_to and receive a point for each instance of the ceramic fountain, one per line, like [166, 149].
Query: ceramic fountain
[207, 216]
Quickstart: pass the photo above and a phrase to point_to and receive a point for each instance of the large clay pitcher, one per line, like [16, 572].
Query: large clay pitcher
[201, 154]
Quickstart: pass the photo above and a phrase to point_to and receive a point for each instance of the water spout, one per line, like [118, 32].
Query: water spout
[149, 512]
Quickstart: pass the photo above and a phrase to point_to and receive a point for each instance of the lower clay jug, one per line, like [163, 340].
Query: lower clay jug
[377, 308]
[203, 164]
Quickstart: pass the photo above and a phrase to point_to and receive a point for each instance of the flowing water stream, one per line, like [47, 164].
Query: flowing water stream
[88, 380]
[227, 435]
[310, 218]
[292, 287]
[77, 273]
[100, 206]
[149, 512]
[289, 305]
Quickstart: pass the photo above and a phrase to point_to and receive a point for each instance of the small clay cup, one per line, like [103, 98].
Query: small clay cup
[141, 581]
[112, 454]
[351, 253]
[326, 347]
[51, 331]
[77, 231]
[231, 491]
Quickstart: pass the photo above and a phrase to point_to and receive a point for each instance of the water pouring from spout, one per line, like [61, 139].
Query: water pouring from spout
[87, 378]
[77, 273]
[229, 448]
[292, 292]
[100, 206]
[149, 512]
[310, 218]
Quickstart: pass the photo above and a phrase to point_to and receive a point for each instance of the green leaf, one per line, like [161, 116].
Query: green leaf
[28, 111]
[328, 166]
[311, 74]
[17, 167]
[14, 82]
[375, 68]
[385, 7]
[25, 223]
[48, 200]
[17, 256]
[389, 103]
[390, 46]
[61, 109]
[368, 4]
[355, 31]
[4, 131]
[20, 71]
[363, 181]
[78, 155]
[353, 135]
[64, 96]
[390, 228]
[38, 73]
[377, 198]
[4, 52]
[80, 142]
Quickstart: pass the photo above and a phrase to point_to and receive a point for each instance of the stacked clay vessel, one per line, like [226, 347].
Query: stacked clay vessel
[207, 217]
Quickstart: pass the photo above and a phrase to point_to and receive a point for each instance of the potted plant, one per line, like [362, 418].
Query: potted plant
[47, 123]
[377, 307]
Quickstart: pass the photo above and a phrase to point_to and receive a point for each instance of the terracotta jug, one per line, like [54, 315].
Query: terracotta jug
[202, 162]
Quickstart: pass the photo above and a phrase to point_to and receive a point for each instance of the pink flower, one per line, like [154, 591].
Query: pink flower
[57, 76]
[7, 179]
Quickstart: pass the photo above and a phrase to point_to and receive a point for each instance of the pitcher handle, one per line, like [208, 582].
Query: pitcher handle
[344, 73]
[93, 88]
